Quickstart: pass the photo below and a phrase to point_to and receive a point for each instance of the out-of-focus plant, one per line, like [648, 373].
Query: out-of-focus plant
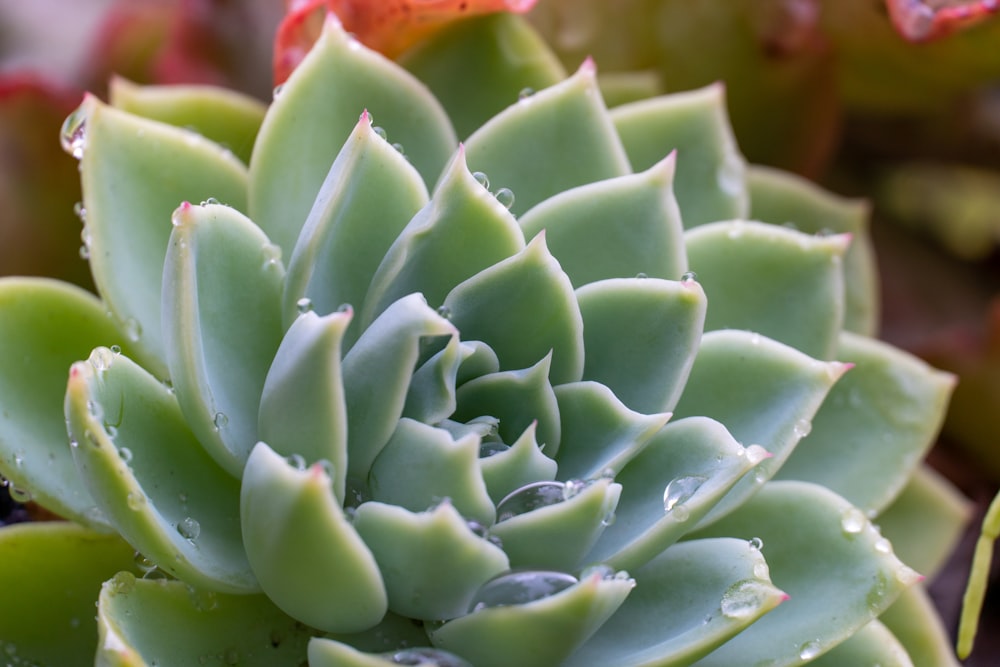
[381, 398]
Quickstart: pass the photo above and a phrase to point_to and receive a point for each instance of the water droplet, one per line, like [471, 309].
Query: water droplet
[73, 136]
[520, 588]
[525, 93]
[490, 448]
[132, 329]
[189, 528]
[111, 430]
[280, 88]
[101, 359]
[80, 211]
[505, 196]
[211, 201]
[743, 599]
[135, 500]
[680, 490]
[641, 276]
[125, 453]
[730, 176]
[84, 252]
[399, 148]
[609, 519]
[755, 454]
[802, 428]
[327, 467]
[755, 543]
[883, 546]
[116, 350]
[272, 257]
[482, 179]
[810, 650]
[530, 497]
[689, 277]
[143, 563]
[380, 131]
[762, 570]
[304, 305]
[19, 494]
[573, 487]
[445, 312]
[122, 583]
[425, 657]
[853, 521]
[220, 421]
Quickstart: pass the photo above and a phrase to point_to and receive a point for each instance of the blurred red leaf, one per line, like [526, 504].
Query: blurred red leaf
[925, 20]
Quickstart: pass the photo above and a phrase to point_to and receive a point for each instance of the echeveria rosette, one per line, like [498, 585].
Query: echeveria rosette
[361, 411]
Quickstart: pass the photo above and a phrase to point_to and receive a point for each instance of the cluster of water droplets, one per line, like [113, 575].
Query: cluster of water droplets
[426, 657]
[503, 195]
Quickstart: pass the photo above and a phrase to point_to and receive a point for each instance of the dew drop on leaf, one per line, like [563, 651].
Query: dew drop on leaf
[380, 131]
[525, 93]
[101, 359]
[132, 328]
[426, 657]
[520, 588]
[530, 497]
[810, 650]
[80, 211]
[802, 428]
[853, 521]
[490, 448]
[296, 461]
[680, 490]
[689, 277]
[135, 501]
[73, 136]
[743, 598]
[125, 453]
[756, 544]
[482, 179]
[220, 421]
[189, 528]
[505, 196]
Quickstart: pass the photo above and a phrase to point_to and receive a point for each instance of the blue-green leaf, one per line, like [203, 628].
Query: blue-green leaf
[524, 463]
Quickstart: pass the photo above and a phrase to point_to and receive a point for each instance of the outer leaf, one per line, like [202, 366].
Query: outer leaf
[783, 198]
[135, 173]
[764, 392]
[926, 521]
[886, 412]
[432, 562]
[422, 464]
[222, 325]
[478, 67]
[772, 280]
[313, 115]
[461, 232]
[74, 561]
[688, 600]
[807, 529]
[557, 537]
[601, 432]
[616, 228]
[518, 399]
[710, 179]
[151, 476]
[229, 118]
[537, 634]
[915, 622]
[873, 644]
[674, 481]
[305, 553]
[568, 120]
[148, 623]
[45, 327]
[369, 195]
[302, 405]
[540, 313]
[376, 375]
[641, 336]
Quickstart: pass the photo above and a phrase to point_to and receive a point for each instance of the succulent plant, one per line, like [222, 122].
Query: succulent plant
[464, 404]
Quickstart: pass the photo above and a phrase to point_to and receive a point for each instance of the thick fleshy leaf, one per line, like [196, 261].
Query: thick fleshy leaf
[147, 623]
[329, 653]
[432, 562]
[524, 463]
[302, 405]
[229, 118]
[305, 553]
[669, 486]
[805, 529]
[135, 173]
[518, 399]
[369, 195]
[479, 66]
[687, 601]
[159, 487]
[45, 327]
[764, 392]
[711, 173]
[926, 521]
[461, 232]
[914, 621]
[782, 198]
[601, 433]
[75, 561]
[431, 395]
[558, 536]
[873, 644]
[568, 121]
[221, 325]
[641, 336]
[772, 280]
[886, 412]
[314, 113]
[376, 375]
[422, 464]
[617, 228]
[523, 308]
[540, 633]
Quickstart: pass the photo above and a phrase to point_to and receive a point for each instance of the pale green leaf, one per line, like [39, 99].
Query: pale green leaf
[330, 653]
[315, 111]
[305, 553]
[524, 463]
[915, 622]
[873, 644]
[222, 325]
